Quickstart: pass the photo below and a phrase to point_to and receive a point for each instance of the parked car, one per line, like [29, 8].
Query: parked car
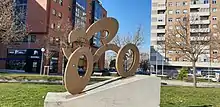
[142, 73]
[81, 71]
[209, 77]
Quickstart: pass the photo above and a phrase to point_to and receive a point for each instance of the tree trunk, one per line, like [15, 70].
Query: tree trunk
[194, 74]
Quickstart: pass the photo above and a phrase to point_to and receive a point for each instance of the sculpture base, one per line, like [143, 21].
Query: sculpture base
[136, 91]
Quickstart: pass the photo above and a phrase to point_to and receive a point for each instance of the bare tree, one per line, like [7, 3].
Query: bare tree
[190, 39]
[215, 47]
[58, 38]
[12, 25]
[136, 39]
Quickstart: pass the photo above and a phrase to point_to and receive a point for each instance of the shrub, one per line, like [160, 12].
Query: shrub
[182, 74]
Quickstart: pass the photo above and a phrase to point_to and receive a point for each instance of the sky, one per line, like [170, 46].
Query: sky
[131, 14]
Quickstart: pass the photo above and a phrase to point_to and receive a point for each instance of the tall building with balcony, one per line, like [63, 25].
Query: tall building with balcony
[164, 13]
[42, 17]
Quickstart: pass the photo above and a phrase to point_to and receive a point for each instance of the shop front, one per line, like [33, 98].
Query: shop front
[28, 60]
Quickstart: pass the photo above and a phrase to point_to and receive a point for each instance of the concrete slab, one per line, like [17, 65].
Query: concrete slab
[136, 91]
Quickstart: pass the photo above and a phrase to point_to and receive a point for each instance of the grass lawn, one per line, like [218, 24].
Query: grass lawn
[25, 95]
[32, 95]
[188, 96]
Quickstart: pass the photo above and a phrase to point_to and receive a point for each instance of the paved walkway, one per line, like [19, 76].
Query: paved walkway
[182, 83]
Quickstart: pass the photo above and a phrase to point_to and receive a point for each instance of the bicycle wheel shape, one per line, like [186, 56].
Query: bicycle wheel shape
[135, 63]
[75, 84]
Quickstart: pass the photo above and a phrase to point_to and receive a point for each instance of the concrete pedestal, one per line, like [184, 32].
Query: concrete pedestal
[137, 91]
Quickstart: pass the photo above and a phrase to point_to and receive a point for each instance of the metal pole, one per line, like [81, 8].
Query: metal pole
[41, 67]
[156, 63]
[162, 65]
[209, 69]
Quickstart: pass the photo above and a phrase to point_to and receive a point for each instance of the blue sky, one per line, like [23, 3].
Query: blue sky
[131, 14]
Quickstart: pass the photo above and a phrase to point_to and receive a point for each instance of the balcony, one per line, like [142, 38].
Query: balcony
[161, 17]
[160, 38]
[200, 22]
[197, 14]
[161, 23]
[161, 6]
[199, 5]
[161, 31]
[204, 13]
[201, 30]
[199, 38]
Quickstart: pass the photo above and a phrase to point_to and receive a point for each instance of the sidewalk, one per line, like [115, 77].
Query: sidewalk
[182, 83]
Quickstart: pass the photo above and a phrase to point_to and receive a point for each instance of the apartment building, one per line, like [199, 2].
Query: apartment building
[41, 18]
[164, 13]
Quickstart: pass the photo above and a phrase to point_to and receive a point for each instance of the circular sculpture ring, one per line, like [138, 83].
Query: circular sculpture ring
[120, 57]
[103, 49]
[73, 82]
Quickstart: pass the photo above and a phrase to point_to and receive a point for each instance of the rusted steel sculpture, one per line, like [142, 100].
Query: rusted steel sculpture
[73, 82]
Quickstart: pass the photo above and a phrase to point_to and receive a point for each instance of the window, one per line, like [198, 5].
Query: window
[177, 3]
[170, 20]
[206, 1]
[215, 51]
[170, 4]
[178, 11]
[185, 3]
[160, 20]
[214, 26]
[204, 10]
[33, 38]
[185, 11]
[60, 15]
[52, 25]
[214, 9]
[61, 2]
[214, 18]
[177, 19]
[53, 11]
[170, 12]
[214, 2]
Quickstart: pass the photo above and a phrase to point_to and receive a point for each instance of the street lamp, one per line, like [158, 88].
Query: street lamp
[42, 58]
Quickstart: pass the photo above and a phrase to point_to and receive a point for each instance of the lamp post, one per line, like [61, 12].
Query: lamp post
[156, 59]
[163, 61]
[42, 60]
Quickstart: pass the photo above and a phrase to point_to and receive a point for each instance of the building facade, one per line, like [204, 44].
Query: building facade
[41, 18]
[164, 13]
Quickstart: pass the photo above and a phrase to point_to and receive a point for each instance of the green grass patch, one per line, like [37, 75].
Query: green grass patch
[32, 95]
[25, 95]
[188, 96]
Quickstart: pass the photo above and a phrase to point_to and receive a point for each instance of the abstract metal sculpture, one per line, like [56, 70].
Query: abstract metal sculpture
[73, 82]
